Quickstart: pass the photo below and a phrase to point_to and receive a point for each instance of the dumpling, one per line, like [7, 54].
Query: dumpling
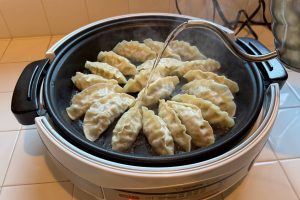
[198, 74]
[103, 112]
[166, 66]
[127, 129]
[134, 51]
[218, 94]
[140, 80]
[81, 102]
[221, 89]
[105, 70]
[159, 89]
[157, 133]
[198, 128]
[210, 112]
[82, 81]
[157, 46]
[186, 51]
[119, 62]
[204, 65]
[177, 129]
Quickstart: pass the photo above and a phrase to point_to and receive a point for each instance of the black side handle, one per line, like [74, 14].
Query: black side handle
[272, 70]
[25, 101]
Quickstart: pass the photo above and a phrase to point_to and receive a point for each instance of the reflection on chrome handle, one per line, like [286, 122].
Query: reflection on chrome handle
[227, 36]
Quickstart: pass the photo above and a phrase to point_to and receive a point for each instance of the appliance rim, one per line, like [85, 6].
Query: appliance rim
[138, 159]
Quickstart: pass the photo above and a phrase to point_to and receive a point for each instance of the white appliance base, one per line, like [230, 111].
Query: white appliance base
[213, 191]
[209, 179]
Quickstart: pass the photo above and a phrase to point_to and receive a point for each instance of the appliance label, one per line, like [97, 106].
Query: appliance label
[192, 193]
[196, 194]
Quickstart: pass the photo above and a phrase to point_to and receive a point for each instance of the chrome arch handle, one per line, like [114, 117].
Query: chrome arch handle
[228, 38]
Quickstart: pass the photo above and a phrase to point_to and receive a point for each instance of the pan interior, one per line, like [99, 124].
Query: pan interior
[59, 89]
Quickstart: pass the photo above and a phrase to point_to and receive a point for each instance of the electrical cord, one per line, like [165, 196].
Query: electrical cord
[232, 25]
[235, 23]
[268, 24]
[177, 7]
[214, 13]
[249, 19]
[217, 7]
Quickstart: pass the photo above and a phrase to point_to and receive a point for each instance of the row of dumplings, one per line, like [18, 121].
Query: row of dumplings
[185, 120]
[178, 123]
[112, 67]
[208, 99]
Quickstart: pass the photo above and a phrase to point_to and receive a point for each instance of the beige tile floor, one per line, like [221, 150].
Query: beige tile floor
[26, 172]
[25, 49]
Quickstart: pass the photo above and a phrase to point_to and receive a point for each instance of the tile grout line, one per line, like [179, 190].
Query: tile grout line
[46, 16]
[6, 24]
[24, 129]
[73, 191]
[26, 38]
[272, 150]
[10, 159]
[271, 146]
[287, 159]
[288, 107]
[265, 162]
[87, 10]
[18, 61]
[41, 183]
[1, 56]
[290, 182]
[128, 7]
[278, 160]
[286, 176]
[294, 91]
[29, 37]
[170, 6]
[12, 130]
[48, 45]
[6, 92]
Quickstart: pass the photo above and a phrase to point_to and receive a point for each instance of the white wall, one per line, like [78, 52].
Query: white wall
[21, 18]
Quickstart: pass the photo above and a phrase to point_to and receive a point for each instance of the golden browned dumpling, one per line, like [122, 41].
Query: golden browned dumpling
[103, 112]
[186, 51]
[212, 113]
[105, 70]
[210, 90]
[134, 51]
[81, 102]
[157, 133]
[117, 61]
[198, 128]
[207, 65]
[159, 89]
[177, 129]
[127, 129]
[139, 81]
[199, 74]
[157, 46]
[83, 81]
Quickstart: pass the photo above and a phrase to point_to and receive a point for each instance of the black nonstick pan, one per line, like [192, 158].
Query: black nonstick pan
[58, 89]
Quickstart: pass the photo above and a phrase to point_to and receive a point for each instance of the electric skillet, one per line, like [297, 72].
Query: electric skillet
[45, 86]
